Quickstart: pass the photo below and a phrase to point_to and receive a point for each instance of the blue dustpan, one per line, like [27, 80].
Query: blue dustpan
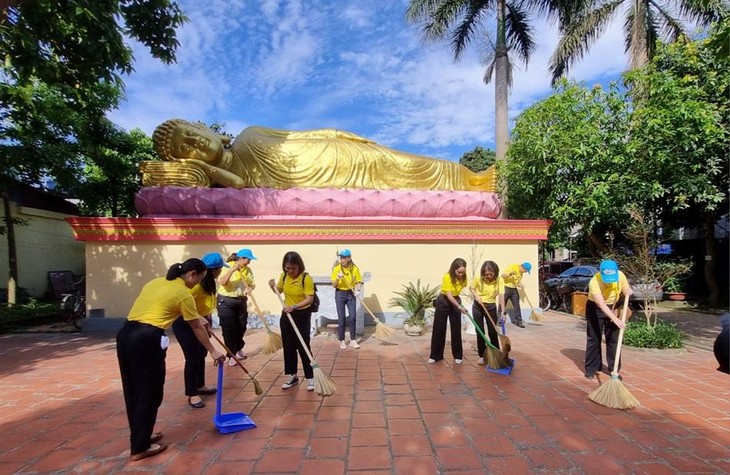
[232, 421]
[504, 371]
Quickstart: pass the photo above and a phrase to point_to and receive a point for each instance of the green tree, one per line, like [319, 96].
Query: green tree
[478, 159]
[681, 138]
[568, 160]
[583, 21]
[61, 58]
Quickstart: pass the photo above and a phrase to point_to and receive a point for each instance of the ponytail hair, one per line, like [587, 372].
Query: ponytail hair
[232, 258]
[177, 269]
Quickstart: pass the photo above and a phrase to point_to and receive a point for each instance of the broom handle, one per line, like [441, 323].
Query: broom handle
[259, 313]
[617, 358]
[231, 353]
[532, 309]
[291, 320]
[481, 332]
[489, 316]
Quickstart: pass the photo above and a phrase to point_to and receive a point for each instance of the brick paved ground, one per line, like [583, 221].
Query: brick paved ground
[61, 411]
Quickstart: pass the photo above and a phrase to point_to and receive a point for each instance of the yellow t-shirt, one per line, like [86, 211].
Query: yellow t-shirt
[351, 276]
[205, 303]
[488, 291]
[161, 301]
[293, 289]
[234, 287]
[454, 288]
[515, 276]
[610, 292]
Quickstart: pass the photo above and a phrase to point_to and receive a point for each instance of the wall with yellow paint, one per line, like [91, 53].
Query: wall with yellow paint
[116, 272]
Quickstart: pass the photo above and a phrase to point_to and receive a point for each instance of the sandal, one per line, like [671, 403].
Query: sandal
[156, 437]
[153, 450]
[196, 405]
[206, 391]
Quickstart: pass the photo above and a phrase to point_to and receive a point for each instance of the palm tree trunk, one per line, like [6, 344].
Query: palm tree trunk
[639, 42]
[501, 94]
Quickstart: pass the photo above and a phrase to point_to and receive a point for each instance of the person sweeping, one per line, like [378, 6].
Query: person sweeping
[236, 284]
[298, 289]
[512, 282]
[488, 292]
[346, 280]
[448, 310]
[605, 290]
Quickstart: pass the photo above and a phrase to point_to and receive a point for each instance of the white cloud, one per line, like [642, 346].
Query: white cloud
[348, 64]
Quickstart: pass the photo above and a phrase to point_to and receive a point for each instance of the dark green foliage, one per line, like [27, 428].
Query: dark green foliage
[478, 159]
[661, 336]
[28, 314]
[415, 300]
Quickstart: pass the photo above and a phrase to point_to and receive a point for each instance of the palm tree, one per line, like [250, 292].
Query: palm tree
[583, 21]
[460, 21]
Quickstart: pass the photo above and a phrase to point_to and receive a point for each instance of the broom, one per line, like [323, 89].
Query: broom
[256, 386]
[382, 331]
[613, 394]
[273, 341]
[505, 345]
[323, 384]
[494, 356]
[534, 316]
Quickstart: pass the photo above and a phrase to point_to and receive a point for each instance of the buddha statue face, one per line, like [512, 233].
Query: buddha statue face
[188, 141]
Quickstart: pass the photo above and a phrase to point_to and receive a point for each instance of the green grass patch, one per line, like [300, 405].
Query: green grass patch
[661, 336]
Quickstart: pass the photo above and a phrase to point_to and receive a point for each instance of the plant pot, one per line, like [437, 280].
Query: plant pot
[413, 330]
[676, 296]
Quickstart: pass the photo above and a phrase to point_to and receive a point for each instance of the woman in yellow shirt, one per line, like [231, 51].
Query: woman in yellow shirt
[448, 307]
[142, 347]
[604, 290]
[346, 280]
[235, 286]
[205, 302]
[298, 289]
[488, 291]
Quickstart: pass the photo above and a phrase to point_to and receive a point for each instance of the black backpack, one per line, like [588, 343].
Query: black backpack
[315, 303]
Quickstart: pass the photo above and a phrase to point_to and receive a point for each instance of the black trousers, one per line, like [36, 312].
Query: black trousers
[511, 295]
[142, 366]
[233, 315]
[599, 324]
[479, 317]
[194, 352]
[345, 299]
[292, 345]
[446, 311]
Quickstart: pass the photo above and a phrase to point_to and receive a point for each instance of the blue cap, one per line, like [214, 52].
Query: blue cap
[345, 253]
[245, 254]
[527, 266]
[609, 271]
[213, 260]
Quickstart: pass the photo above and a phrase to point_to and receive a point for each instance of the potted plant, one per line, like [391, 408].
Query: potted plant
[673, 288]
[415, 299]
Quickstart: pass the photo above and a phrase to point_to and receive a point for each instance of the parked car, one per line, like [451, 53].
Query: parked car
[550, 269]
[558, 289]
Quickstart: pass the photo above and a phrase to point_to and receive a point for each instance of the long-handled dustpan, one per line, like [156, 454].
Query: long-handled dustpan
[505, 371]
[232, 421]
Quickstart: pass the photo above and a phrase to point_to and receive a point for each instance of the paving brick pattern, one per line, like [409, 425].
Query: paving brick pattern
[61, 411]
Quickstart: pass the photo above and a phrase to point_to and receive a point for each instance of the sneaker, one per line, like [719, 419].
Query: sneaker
[520, 324]
[481, 360]
[292, 381]
[232, 362]
[457, 361]
[590, 374]
[354, 344]
[342, 345]
[310, 384]
[431, 361]
[241, 355]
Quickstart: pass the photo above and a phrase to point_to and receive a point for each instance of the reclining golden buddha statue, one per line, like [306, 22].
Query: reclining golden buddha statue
[260, 157]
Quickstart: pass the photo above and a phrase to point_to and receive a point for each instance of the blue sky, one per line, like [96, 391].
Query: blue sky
[346, 64]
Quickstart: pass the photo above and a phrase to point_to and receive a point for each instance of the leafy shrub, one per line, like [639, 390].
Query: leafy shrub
[21, 295]
[30, 314]
[662, 335]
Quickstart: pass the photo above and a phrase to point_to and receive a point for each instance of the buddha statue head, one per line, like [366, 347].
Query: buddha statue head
[178, 139]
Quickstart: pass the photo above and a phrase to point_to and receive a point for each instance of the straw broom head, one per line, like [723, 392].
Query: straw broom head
[506, 345]
[323, 384]
[614, 395]
[537, 316]
[272, 344]
[383, 331]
